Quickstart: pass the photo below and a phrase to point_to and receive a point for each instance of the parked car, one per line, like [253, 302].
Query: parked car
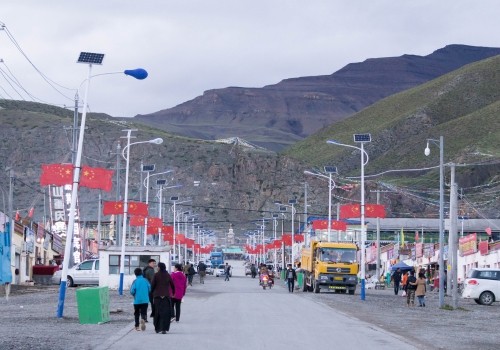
[482, 285]
[86, 272]
[219, 271]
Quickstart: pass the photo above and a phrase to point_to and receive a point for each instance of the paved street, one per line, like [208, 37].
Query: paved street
[240, 314]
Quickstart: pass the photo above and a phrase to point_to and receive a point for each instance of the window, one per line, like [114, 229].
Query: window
[131, 263]
[86, 265]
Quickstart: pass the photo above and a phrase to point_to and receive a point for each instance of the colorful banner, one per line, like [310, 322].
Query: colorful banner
[484, 247]
[468, 244]
[419, 250]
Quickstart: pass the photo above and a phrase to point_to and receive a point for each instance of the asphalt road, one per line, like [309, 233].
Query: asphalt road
[241, 315]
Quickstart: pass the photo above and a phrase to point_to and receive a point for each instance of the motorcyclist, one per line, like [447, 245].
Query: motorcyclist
[264, 271]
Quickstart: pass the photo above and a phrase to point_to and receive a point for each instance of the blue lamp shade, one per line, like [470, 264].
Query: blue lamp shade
[138, 73]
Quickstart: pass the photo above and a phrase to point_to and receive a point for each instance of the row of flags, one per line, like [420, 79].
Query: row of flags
[285, 240]
[62, 174]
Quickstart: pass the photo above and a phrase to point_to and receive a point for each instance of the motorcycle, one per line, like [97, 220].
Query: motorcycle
[266, 281]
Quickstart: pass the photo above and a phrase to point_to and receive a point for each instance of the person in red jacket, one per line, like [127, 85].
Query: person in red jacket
[180, 281]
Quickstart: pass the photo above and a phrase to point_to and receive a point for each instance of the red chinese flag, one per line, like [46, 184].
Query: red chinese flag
[167, 236]
[320, 224]
[350, 211]
[31, 212]
[110, 208]
[339, 225]
[167, 229]
[56, 174]
[287, 239]
[180, 238]
[197, 247]
[137, 221]
[298, 238]
[374, 211]
[98, 178]
[189, 242]
[152, 230]
[155, 222]
[277, 244]
[323, 225]
[138, 208]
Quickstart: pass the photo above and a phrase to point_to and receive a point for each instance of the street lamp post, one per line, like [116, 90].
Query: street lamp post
[90, 59]
[331, 185]
[291, 204]
[275, 224]
[148, 169]
[126, 149]
[427, 152]
[361, 139]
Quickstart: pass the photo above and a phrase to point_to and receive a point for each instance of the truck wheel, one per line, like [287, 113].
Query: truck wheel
[351, 291]
[316, 288]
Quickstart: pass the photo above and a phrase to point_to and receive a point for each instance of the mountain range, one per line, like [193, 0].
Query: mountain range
[234, 185]
[277, 116]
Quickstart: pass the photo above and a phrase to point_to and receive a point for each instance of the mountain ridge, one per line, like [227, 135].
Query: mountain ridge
[295, 108]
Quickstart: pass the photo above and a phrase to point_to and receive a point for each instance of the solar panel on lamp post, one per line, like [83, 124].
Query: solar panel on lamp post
[362, 139]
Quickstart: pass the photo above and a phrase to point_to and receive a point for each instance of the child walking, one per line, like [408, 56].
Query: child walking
[140, 290]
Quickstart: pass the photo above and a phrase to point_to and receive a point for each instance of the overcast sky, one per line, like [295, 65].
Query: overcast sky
[190, 46]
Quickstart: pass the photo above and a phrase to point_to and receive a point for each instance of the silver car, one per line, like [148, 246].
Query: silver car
[86, 272]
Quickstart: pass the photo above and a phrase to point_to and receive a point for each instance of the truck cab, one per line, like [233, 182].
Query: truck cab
[330, 266]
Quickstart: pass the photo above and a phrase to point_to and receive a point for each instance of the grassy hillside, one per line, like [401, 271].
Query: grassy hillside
[463, 106]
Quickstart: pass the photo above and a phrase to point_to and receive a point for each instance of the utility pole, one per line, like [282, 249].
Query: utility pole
[453, 237]
[306, 235]
[118, 196]
[378, 234]
[74, 144]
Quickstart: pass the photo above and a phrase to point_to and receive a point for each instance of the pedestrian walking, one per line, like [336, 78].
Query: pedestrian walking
[202, 271]
[396, 278]
[421, 289]
[140, 290]
[149, 272]
[162, 288]
[227, 271]
[291, 277]
[191, 273]
[180, 283]
[411, 285]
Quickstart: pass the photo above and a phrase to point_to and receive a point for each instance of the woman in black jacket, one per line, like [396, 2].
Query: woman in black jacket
[162, 289]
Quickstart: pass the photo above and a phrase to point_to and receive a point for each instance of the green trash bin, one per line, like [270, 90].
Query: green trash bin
[300, 280]
[93, 305]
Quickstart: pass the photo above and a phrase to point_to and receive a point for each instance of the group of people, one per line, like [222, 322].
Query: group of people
[164, 291]
[411, 285]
